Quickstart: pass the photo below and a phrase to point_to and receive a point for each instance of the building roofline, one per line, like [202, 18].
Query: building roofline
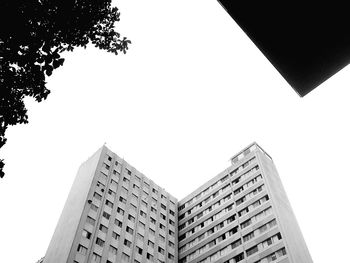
[247, 147]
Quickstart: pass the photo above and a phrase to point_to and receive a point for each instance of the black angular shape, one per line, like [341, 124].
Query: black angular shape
[306, 44]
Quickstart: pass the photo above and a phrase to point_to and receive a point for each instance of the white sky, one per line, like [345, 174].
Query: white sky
[192, 91]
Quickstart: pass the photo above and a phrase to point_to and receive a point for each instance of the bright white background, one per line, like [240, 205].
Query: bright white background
[191, 92]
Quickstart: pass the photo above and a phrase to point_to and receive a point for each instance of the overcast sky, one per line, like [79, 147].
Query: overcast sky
[192, 91]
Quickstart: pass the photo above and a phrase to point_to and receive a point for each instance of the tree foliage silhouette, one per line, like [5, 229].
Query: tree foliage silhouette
[33, 34]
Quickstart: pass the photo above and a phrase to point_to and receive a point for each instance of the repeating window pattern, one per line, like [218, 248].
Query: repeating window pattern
[273, 257]
[220, 253]
[264, 244]
[145, 212]
[222, 180]
[250, 195]
[256, 218]
[222, 190]
[253, 206]
[211, 231]
[260, 230]
[207, 211]
[207, 222]
[214, 242]
[127, 198]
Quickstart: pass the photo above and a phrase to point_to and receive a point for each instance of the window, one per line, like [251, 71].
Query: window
[128, 171]
[131, 218]
[127, 243]
[171, 244]
[246, 223]
[274, 256]
[118, 223]
[115, 236]
[172, 212]
[140, 237]
[143, 214]
[153, 210]
[150, 244]
[135, 186]
[237, 258]
[114, 183]
[151, 231]
[109, 203]
[94, 207]
[161, 226]
[113, 250]
[125, 257]
[103, 228]
[81, 249]
[162, 238]
[122, 199]
[100, 242]
[149, 256]
[90, 220]
[111, 192]
[171, 233]
[106, 215]
[100, 184]
[170, 256]
[252, 250]
[139, 250]
[163, 206]
[271, 240]
[248, 237]
[129, 230]
[86, 234]
[153, 221]
[96, 258]
[126, 180]
[97, 196]
[120, 211]
[161, 250]
[154, 191]
[163, 216]
[106, 166]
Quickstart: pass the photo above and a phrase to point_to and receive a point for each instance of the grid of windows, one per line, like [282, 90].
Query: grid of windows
[114, 195]
[144, 217]
[273, 256]
[238, 193]
[201, 238]
[222, 180]
[207, 222]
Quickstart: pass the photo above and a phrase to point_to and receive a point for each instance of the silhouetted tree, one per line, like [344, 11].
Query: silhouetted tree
[33, 34]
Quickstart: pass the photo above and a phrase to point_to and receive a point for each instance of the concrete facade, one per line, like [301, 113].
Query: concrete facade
[241, 215]
[116, 214]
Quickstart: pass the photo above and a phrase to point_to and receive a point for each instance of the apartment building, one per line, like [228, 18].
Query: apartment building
[116, 214]
[241, 215]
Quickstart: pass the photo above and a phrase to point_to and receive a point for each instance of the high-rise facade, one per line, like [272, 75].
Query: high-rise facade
[115, 214]
[241, 215]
